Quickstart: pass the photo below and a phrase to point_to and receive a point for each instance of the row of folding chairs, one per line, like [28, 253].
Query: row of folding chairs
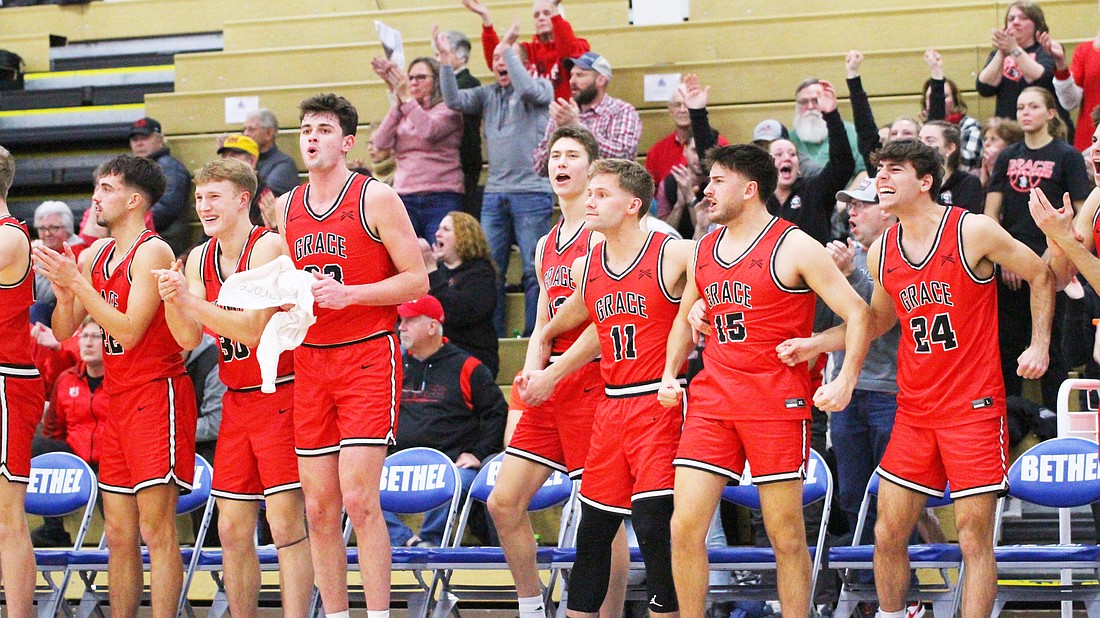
[62, 484]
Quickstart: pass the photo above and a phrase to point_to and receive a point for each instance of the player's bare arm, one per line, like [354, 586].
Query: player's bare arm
[387, 217]
[674, 265]
[185, 296]
[680, 340]
[178, 288]
[987, 244]
[1063, 266]
[571, 314]
[883, 318]
[532, 361]
[126, 328]
[803, 257]
[538, 385]
[14, 254]
[68, 313]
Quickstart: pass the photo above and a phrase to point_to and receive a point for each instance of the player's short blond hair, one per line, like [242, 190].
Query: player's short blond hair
[235, 171]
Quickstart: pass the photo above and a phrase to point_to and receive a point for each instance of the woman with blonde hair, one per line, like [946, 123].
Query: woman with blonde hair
[464, 281]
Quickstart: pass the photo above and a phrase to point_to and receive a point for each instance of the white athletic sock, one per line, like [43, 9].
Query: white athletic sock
[343, 614]
[382, 613]
[898, 614]
[531, 607]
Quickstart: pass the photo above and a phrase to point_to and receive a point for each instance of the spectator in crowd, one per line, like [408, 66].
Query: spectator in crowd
[1077, 84]
[554, 41]
[168, 217]
[424, 135]
[53, 224]
[461, 277]
[764, 133]
[74, 421]
[518, 203]
[469, 149]
[243, 148]
[671, 150]
[382, 163]
[1042, 160]
[861, 431]
[997, 134]
[202, 367]
[614, 122]
[869, 137]
[678, 193]
[449, 402]
[808, 200]
[275, 168]
[959, 188]
[904, 127]
[942, 101]
[1018, 61]
[811, 135]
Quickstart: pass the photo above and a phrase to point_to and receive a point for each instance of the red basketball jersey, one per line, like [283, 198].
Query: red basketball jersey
[238, 367]
[15, 310]
[949, 370]
[751, 313]
[633, 313]
[338, 242]
[157, 355]
[558, 255]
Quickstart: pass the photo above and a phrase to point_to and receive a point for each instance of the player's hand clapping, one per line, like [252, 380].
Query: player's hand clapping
[172, 285]
[61, 270]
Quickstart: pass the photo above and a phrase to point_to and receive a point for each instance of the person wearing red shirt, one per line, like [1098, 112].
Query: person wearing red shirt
[553, 42]
[669, 151]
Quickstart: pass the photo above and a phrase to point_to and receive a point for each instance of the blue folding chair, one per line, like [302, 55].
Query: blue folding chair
[415, 480]
[211, 560]
[60, 484]
[557, 490]
[943, 593]
[1060, 473]
[90, 562]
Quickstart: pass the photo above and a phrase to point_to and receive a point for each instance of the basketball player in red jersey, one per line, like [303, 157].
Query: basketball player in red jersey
[149, 442]
[354, 235]
[561, 399]
[255, 457]
[935, 274]
[759, 277]
[630, 286]
[23, 399]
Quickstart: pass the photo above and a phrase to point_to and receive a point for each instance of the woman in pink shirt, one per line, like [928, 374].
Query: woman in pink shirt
[424, 135]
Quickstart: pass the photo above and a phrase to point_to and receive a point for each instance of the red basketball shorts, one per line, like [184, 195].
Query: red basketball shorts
[555, 434]
[346, 395]
[24, 398]
[150, 437]
[775, 450]
[634, 441]
[972, 458]
[255, 453]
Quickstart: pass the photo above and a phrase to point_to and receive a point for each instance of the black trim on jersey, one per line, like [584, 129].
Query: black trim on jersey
[371, 337]
[144, 236]
[10, 370]
[661, 272]
[106, 252]
[1095, 219]
[884, 241]
[245, 256]
[335, 204]
[935, 244]
[583, 284]
[375, 236]
[965, 262]
[286, 208]
[637, 259]
[771, 266]
[206, 276]
[637, 389]
[19, 226]
[722, 232]
[557, 235]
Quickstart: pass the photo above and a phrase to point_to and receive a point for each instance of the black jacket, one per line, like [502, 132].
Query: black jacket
[449, 402]
[469, 296]
[963, 190]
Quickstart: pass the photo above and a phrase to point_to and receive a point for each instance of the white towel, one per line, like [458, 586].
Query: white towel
[274, 284]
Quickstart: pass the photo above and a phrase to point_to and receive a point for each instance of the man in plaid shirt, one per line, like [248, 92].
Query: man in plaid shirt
[614, 122]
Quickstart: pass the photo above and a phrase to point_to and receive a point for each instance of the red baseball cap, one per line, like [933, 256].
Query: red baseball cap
[426, 305]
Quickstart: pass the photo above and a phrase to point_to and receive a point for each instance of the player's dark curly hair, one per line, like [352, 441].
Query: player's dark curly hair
[926, 160]
[334, 104]
[138, 173]
[749, 161]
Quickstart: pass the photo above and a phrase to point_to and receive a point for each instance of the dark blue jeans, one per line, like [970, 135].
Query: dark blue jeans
[426, 210]
[521, 219]
[860, 434]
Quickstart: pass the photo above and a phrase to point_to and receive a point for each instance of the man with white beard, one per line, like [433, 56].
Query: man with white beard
[810, 135]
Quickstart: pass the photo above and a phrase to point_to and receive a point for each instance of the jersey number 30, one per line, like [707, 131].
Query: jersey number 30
[941, 333]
